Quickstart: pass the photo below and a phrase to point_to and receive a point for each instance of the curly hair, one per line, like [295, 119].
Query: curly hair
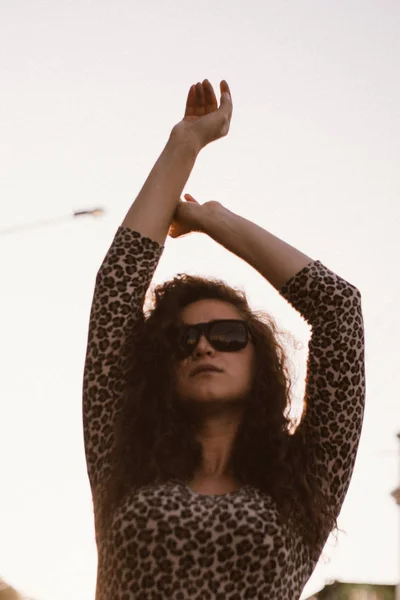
[156, 443]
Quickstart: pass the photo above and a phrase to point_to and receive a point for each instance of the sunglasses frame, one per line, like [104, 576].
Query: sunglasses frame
[205, 328]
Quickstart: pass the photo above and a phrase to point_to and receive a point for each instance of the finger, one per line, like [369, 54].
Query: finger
[225, 100]
[190, 198]
[191, 102]
[224, 86]
[200, 101]
[211, 103]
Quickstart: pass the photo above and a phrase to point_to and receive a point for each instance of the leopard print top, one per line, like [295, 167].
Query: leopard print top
[168, 542]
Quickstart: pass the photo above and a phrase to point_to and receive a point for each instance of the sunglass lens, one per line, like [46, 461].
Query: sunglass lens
[225, 336]
[187, 340]
[228, 335]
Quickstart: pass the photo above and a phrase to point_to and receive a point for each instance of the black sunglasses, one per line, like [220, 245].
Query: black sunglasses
[224, 335]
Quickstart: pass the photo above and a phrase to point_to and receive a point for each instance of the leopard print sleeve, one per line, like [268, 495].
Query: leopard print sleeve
[331, 425]
[121, 284]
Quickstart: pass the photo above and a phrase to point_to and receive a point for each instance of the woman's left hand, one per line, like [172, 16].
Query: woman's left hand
[189, 217]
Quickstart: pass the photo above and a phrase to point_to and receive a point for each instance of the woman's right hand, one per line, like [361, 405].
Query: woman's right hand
[204, 122]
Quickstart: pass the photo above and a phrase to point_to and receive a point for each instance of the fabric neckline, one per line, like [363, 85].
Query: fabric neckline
[224, 495]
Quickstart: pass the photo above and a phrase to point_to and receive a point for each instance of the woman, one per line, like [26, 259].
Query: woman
[200, 488]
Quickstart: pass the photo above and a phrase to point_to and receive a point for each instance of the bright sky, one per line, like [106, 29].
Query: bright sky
[90, 92]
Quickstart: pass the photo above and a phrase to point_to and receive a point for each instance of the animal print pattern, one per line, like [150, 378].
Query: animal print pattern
[169, 542]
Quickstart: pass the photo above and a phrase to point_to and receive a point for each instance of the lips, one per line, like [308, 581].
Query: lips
[201, 368]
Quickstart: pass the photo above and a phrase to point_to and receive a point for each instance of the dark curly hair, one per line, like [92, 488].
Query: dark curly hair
[156, 443]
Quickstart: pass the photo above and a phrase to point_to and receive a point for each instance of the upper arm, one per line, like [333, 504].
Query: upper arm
[334, 397]
[117, 306]
[330, 429]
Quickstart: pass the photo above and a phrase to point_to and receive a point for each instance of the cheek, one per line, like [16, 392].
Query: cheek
[246, 368]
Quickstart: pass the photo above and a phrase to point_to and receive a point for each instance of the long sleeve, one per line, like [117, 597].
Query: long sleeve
[121, 284]
[335, 384]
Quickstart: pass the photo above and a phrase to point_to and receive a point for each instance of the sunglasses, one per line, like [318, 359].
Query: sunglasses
[224, 335]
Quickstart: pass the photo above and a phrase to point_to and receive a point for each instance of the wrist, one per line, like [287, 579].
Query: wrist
[212, 212]
[182, 137]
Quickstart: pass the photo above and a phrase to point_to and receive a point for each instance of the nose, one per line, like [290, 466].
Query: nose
[203, 346]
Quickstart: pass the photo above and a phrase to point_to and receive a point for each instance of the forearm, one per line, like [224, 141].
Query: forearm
[152, 211]
[273, 258]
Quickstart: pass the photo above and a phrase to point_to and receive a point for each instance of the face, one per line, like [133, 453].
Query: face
[230, 387]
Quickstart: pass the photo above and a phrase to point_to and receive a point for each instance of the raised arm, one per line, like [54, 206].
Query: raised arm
[121, 285]
[331, 424]
[153, 210]
[335, 384]
[127, 270]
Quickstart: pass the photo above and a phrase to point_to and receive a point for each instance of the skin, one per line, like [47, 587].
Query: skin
[215, 400]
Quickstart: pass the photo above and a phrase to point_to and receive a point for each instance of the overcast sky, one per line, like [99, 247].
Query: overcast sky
[89, 94]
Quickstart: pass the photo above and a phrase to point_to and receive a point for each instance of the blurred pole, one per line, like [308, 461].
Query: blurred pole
[396, 496]
[398, 556]
[96, 212]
